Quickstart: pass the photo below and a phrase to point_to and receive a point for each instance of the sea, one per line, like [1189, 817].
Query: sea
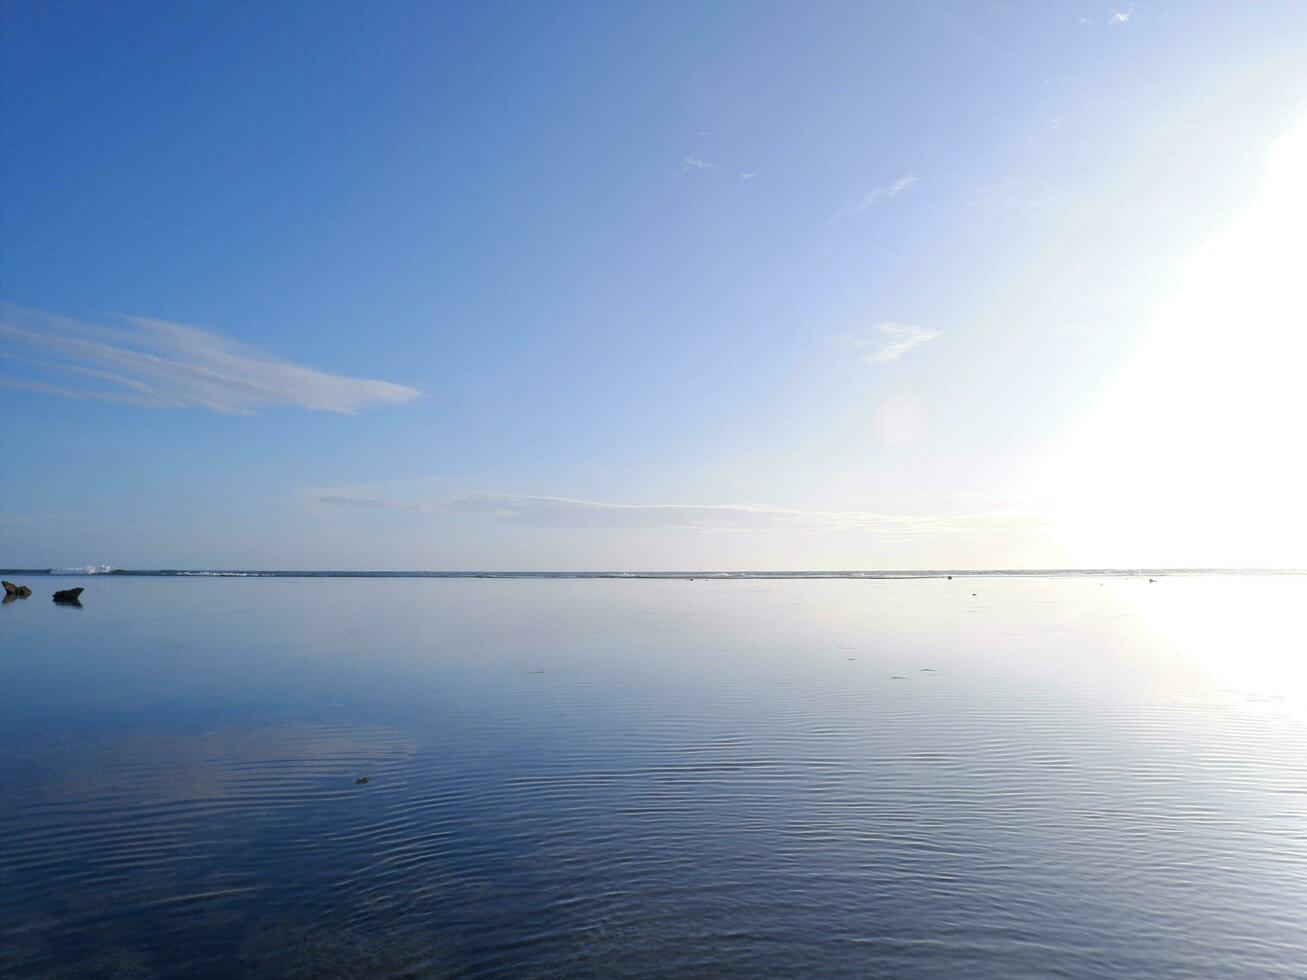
[1073, 773]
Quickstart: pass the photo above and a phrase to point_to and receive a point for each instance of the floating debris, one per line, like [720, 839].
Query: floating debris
[361, 781]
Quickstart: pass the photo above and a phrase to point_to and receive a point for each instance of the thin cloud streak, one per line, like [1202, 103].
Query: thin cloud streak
[887, 341]
[344, 500]
[853, 208]
[693, 163]
[156, 364]
[878, 194]
[563, 512]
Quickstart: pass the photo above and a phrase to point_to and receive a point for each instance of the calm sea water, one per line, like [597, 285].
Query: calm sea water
[998, 777]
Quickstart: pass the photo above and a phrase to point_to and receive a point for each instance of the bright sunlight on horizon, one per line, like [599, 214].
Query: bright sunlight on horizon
[1196, 448]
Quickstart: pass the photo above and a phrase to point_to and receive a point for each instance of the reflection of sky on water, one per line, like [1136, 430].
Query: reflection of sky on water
[616, 776]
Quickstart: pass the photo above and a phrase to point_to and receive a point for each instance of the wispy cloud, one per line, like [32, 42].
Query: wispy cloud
[1120, 16]
[887, 341]
[878, 194]
[373, 503]
[749, 176]
[690, 164]
[564, 512]
[855, 206]
[156, 364]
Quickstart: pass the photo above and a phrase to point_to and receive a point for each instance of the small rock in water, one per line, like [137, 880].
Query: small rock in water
[16, 591]
[898, 677]
[361, 781]
[68, 595]
[926, 670]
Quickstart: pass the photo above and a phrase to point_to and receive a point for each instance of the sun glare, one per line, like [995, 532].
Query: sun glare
[1244, 634]
[1194, 456]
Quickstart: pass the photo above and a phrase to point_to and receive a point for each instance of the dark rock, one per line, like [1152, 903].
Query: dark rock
[361, 781]
[69, 595]
[24, 592]
[10, 588]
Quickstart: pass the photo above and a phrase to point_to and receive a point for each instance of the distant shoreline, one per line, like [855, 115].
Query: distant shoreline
[714, 575]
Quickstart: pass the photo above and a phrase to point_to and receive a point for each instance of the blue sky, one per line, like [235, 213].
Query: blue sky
[724, 285]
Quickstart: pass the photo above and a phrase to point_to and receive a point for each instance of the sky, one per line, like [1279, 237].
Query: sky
[672, 286]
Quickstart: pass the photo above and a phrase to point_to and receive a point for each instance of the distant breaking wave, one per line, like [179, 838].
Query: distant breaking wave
[745, 575]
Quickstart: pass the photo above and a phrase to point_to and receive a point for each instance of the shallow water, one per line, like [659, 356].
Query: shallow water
[1050, 777]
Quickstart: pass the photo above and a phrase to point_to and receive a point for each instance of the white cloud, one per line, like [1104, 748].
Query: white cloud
[693, 163]
[374, 503]
[887, 341]
[156, 364]
[749, 176]
[1120, 16]
[878, 194]
[873, 197]
[562, 512]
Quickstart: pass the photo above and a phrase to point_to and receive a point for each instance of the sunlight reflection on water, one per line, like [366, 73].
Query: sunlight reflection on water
[1246, 635]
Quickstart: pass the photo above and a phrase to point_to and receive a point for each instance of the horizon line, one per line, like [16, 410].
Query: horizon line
[72, 571]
